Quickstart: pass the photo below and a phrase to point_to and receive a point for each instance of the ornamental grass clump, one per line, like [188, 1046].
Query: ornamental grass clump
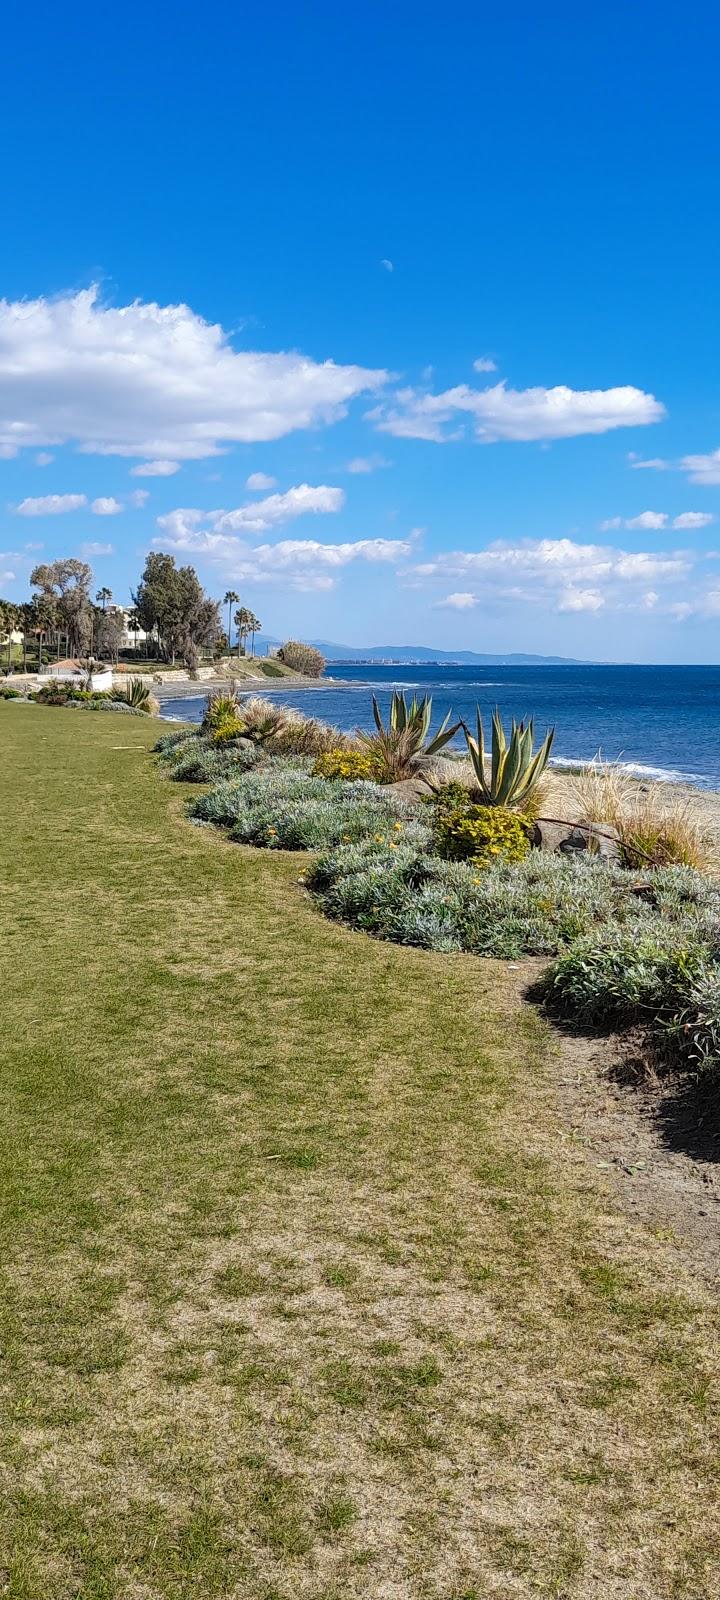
[305, 736]
[285, 808]
[221, 707]
[656, 827]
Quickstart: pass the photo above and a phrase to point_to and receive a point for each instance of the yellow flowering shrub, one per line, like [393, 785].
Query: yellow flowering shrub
[482, 834]
[348, 764]
[228, 730]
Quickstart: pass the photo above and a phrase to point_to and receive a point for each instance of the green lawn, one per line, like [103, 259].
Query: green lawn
[306, 1292]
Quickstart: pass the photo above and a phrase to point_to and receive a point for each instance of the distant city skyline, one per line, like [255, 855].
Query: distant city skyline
[406, 329]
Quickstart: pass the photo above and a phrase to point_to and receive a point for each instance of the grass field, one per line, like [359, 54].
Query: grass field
[306, 1292]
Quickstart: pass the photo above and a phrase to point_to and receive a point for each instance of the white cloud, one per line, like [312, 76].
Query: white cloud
[557, 573]
[485, 364]
[292, 563]
[155, 469]
[259, 515]
[704, 470]
[527, 414]
[105, 506]
[693, 519]
[462, 600]
[648, 520]
[260, 480]
[363, 464]
[653, 464]
[580, 600]
[138, 498]
[6, 576]
[153, 381]
[656, 520]
[95, 549]
[388, 265]
[51, 505]
[44, 458]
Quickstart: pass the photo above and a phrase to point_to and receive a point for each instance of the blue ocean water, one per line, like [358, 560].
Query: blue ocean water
[663, 721]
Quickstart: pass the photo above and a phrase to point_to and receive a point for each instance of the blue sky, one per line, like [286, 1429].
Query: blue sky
[306, 226]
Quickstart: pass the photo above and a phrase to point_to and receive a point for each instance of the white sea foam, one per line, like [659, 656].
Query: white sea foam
[638, 769]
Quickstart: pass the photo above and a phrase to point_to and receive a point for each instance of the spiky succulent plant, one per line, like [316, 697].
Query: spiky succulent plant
[515, 768]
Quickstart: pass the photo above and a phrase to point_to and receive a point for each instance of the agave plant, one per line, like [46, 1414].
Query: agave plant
[515, 767]
[135, 694]
[396, 749]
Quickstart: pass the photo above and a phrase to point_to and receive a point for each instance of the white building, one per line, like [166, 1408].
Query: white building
[70, 671]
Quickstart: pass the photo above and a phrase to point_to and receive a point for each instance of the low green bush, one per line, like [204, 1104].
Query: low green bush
[168, 742]
[695, 1031]
[270, 669]
[8, 693]
[612, 978]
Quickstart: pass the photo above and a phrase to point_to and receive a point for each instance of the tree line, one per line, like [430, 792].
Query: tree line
[169, 605]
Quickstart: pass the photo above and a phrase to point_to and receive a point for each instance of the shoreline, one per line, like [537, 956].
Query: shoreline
[195, 689]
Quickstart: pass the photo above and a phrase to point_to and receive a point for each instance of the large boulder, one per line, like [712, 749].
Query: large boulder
[572, 838]
[410, 790]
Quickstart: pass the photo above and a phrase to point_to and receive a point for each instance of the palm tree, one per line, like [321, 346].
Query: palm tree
[231, 599]
[255, 627]
[8, 623]
[103, 596]
[243, 622]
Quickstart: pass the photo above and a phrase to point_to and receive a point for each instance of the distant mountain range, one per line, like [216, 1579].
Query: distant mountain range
[418, 654]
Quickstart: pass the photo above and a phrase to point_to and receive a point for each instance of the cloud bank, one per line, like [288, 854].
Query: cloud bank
[153, 381]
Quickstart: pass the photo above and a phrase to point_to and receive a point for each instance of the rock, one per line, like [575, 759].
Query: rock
[411, 790]
[569, 838]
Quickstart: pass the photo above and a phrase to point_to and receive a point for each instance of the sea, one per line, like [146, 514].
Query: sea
[661, 722]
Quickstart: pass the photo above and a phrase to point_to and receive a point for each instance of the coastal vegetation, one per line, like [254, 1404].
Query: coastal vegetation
[303, 1273]
[453, 868]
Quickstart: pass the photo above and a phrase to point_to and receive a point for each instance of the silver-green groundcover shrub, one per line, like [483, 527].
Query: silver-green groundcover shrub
[283, 807]
[536, 907]
[193, 758]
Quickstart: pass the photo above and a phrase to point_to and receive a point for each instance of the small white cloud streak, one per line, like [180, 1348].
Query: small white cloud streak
[51, 505]
[155, 469]
[260, 480]
[461, 600]
[655, 521]
[92, 548]
[106, 506]
[513, 414]
[485, 364]
[704, 470]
